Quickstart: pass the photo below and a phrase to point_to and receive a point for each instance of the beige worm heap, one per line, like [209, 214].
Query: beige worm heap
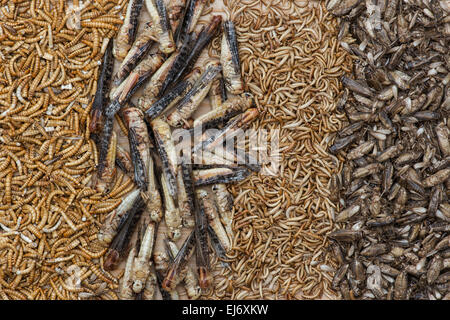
[291, 62]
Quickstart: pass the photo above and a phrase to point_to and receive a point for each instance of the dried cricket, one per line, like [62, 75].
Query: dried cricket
[120, 95]
[211, 212]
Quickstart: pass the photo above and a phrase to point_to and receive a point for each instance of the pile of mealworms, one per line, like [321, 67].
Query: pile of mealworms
[292, 63]
[50, 54]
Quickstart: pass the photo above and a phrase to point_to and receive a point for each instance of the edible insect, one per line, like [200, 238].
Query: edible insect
[134, 81]
[211, 212]
[340, 8]
[232, 128]
[162, 261]
[218, 248]
[192, 13]
[103, 87]
[150, 286]
[225, 111]
[171, 214]
[110, 227]
[160, 21]
[180, 63]
[105, 149]
[188, 276]
[125, 291]
[224, 201]
[194, 97]
[170, 99]
[218, 93]
[138, 50]
[140, 172]
[121, 240]
[152, 196]
[229, 58]
[166, 295]
[142, 264]
[127, 32]
[185, 200]
[175, 12]
[219, 175]
[139, 144]
[203, 39]
[200, 233]
[123, 160]
[108, 172]
[167, 152]
[173, 276]
[153, 87]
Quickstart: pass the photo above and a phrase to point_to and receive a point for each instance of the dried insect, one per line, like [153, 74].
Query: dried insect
[217, 93]
[103, 88]
[142, 263]
[167, 152]
[134, 80]
[160, 21]
[226, 111]
[108, 172]
[229, 131]
[153, 87]
[189, 20]
[219, 175]
[175, 271]
[175, 11]
[152, 196]
[194, 97]
[110, 227]
[185, 200]
[180, 63]
[193, 51]
[224, 201]
[138, 50]
[121, 239]
[125, 290]
[173, 96]
[127, 32]
[212, 214]
[171, 214]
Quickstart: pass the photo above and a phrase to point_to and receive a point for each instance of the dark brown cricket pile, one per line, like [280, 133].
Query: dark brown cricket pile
[49, 216]
[393, 240]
